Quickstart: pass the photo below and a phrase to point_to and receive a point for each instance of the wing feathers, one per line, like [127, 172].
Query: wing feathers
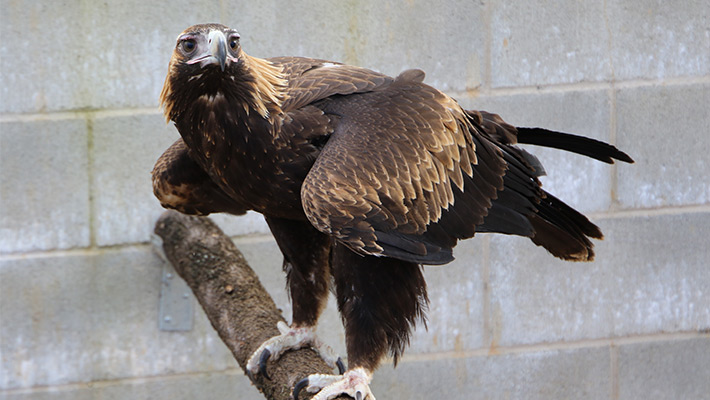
[406, 172]
[412, 145]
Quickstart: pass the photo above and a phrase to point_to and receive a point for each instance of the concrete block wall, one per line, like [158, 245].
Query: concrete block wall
[80, 129]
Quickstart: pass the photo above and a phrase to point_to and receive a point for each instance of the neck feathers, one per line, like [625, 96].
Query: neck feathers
[268, 88]
[258, 84]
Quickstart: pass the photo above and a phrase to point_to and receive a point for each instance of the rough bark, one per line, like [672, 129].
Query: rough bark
[239, 308]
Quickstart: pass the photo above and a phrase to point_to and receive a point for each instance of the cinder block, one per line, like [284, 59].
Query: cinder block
[644, 281]
[446, 41]
[455, 316]
[666, 128]
[554, 374]
[99, 71]
[223, 385]
[543, 43]
[665, 370]
[44, 184]
[579, 181]
[264, 29]
[657, 40]
[124, 205]
[111, 54]
[91, 317]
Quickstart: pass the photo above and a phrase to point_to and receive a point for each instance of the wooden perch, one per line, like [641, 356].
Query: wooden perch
[239, 308]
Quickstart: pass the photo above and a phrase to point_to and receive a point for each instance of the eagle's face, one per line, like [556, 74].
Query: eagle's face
[208, 64]
[206, 58]
[209, 46]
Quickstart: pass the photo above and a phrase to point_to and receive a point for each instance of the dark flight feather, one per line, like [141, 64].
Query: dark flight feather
[577, 144]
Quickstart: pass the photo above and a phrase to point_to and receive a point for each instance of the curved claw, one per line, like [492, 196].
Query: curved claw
[299, 386]
[341, 366]
[262, 363]
[358, 395]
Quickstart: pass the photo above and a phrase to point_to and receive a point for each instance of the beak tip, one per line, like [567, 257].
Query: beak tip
[218, 48]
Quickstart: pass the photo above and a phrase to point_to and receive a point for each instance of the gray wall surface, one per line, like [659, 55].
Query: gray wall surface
[80, 129]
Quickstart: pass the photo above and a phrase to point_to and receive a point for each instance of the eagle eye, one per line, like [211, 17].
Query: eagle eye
[188, 45]
[234, 41]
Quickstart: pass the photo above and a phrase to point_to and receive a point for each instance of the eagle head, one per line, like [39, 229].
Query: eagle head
[208, 60]
[207, 46]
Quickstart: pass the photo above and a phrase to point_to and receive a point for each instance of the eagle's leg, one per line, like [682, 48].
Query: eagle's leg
[380, 300]
[307, 265]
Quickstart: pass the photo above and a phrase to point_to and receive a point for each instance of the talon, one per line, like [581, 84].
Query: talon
[291, 338]
[262, 363]
[341, 366]
[299, 386]
[354, 383]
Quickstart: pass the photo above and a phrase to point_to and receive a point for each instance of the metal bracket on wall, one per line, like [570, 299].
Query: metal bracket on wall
[177, 302]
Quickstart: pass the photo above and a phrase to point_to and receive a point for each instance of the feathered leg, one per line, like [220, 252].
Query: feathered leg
[306, 263]
[380, 301]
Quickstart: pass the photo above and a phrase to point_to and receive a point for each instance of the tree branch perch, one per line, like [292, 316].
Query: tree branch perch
[239, 308]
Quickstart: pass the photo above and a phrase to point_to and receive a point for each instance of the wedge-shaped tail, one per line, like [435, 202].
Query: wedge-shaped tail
[523, 208]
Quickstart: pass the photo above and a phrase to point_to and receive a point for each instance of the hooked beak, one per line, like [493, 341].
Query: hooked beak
[217, 53]
[218, 48]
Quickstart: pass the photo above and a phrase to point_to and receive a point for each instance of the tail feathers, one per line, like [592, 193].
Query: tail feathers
[576, 144]
[563, 231]
[552, 224]
[523, 208]
[568, 216]
[559, 242]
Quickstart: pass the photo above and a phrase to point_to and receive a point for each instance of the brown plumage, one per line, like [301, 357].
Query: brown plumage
[360, 176]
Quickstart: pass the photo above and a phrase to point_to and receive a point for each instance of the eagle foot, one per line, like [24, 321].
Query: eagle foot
[355, 383]
[291, 338]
